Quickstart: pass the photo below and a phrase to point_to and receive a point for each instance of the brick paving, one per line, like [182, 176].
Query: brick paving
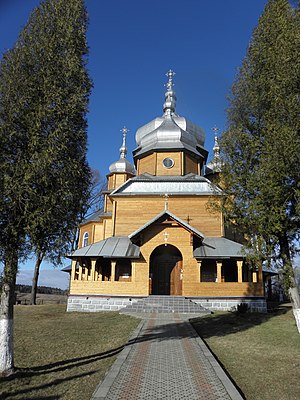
[166, 360]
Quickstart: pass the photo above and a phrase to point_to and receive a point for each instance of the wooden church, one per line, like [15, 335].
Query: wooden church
[156, 234]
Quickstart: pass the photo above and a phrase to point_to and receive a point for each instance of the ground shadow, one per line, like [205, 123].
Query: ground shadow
[231, 323]
[55, 382]
[205, 326]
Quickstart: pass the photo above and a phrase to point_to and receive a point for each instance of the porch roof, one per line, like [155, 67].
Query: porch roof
[220, 248]
[113, 247]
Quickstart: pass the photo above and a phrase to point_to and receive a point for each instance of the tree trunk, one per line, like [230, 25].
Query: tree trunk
[6, 314]
[38, 262]
[289, 272]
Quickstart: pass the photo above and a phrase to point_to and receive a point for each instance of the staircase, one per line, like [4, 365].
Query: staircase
[164, 304]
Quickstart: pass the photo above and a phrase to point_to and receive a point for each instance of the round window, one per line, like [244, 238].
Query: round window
[168, 162]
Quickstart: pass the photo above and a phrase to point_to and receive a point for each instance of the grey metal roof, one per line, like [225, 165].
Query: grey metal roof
[146, 184]
[190, 177]
[122, 165]
[96, 216]
[170, 132]
[219, 247]
[163, 216]
[113, 247]
[68, 268]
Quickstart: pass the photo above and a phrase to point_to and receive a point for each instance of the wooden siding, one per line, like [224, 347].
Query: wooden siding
[133, 213]
[99, 231]
[175, 170]
[89, 228]
[107, 204]
[115, 180]
[190, 164]
[147, 164]
[191, 285]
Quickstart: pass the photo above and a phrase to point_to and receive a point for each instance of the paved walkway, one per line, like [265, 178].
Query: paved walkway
[166, 360]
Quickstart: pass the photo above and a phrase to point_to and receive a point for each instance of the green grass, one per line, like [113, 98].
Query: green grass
[63, 355]
[261, 352]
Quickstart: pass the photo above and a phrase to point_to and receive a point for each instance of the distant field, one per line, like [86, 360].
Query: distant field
[24, 299]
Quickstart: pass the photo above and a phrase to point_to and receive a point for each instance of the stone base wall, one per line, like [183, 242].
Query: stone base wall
[97, 303]
[230, 304]
[103, 303]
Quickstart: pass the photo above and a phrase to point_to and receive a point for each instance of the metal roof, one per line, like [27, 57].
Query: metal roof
[219, 247]
[170, 132]
[163, 216]
[146, 184]
[113, 247]
[96, 216]
[190, 177]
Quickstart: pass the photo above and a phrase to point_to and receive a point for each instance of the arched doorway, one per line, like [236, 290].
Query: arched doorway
[165, 271]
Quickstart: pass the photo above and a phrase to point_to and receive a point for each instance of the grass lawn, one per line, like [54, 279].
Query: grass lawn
[63, 355]
[261, 352]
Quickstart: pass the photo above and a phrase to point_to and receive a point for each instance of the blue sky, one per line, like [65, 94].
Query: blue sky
[133, 43]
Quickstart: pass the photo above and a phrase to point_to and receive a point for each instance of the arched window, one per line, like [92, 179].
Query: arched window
[85, 239]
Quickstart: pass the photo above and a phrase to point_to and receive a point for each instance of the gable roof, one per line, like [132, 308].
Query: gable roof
[162, 217]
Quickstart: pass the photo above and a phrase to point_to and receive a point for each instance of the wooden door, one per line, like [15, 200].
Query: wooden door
[176, 279]
[165, 271]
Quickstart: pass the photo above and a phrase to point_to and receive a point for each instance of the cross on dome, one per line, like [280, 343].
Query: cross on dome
[123, 149]
[216, 148]
[216, 130]
[170, 96]
[124, 130]
[170, 74]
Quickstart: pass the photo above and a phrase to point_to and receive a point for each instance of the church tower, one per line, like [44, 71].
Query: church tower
[170, 145]
[156, 234]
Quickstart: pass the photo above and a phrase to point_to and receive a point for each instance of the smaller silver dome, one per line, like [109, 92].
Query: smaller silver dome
[123, 165]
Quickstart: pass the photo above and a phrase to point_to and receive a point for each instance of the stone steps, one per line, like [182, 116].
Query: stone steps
[164, 304]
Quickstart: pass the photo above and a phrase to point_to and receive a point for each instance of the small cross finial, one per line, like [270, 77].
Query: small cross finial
[170, 74]
[123, 149]
[216, 130]
[166, 197]
[124, 130]
[166, 235]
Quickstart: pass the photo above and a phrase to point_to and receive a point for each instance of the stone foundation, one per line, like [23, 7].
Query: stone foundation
[230, 304]
[98, 303]
[107, 303]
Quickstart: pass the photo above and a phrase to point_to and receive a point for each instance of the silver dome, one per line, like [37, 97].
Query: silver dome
[123, 165]
[169, 131]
